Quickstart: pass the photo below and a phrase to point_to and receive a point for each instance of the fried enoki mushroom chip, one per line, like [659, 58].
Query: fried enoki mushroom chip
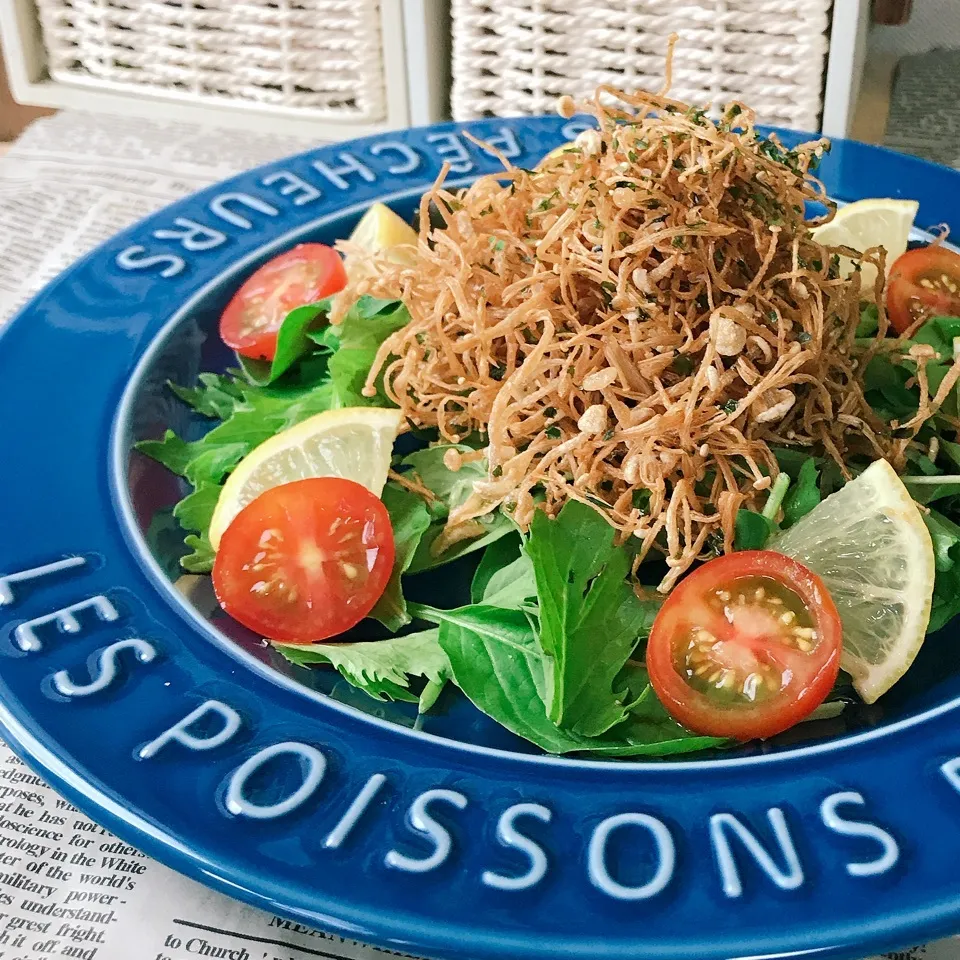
[638, 324]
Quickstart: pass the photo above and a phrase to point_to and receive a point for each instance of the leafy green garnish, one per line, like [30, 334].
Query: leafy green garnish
[258, 413]
[450, 490]
[945, 535]
[933, 487]
[513, 587]
[382, 668]
[569, 656]
[504, 577]
[194, 512]
[869, 320]
[215, 396]
[886, 377]
[804, 494]
[250, 413]
[495, 558]
[590, 618]
[356, 342]
[292, 343]
[751, 530]
[952, 450]
[410, 519]
[164, 537]
[432, 551]
[484, 642]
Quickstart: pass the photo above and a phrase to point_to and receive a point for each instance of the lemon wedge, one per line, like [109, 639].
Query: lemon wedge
[871, 548]
[354, 443]
[380, 230]
[870, 223]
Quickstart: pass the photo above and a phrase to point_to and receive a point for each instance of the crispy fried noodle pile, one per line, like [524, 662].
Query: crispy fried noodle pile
[635, 324]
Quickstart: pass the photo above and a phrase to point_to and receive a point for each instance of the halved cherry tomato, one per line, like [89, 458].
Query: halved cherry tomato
[924, 282]
[305, 274]
[305, 561]
[746, 646]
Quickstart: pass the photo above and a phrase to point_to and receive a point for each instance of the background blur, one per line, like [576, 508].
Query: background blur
[885, 71]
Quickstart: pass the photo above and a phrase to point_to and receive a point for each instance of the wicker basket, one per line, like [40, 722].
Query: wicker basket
[319, 56]
[514, 57]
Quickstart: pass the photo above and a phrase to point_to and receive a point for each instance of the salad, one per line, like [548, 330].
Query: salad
[695, 428]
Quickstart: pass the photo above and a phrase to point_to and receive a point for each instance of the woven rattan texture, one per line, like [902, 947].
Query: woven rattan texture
[319, 56]
[514, 57]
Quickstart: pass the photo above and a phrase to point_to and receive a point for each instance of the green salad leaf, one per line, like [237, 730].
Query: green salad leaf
[215, 396]
[514, 586]
[952, 451]
[434, 552]
[751, 530]
[201, 554]
[869, 320]
[450, 489]
[384, 669]
[252, 412]
[194, 512]
[258, 414]
[590, 618]
[804, 493]
[355, 343]
[410, 519]
[484, 642]
[945, 535]
[164, 537]
[932, 488]
[292, 342]
[888, 379]
[495, 558]
[504, 577]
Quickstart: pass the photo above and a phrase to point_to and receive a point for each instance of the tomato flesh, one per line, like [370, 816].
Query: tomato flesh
[924, 282]
[306, 560]
[305, 274]
[746, 646]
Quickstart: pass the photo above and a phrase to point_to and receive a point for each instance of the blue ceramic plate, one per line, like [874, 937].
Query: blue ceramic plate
[314, 801]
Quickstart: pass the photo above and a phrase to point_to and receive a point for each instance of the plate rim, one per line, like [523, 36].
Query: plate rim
[129, 825]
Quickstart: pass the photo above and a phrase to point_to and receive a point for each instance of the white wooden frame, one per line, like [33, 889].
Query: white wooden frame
[415, 62]
[848, 44]
[416, 67]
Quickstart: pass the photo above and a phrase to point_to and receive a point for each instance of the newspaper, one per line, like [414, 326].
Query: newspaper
[68, 888]
[75, 179]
